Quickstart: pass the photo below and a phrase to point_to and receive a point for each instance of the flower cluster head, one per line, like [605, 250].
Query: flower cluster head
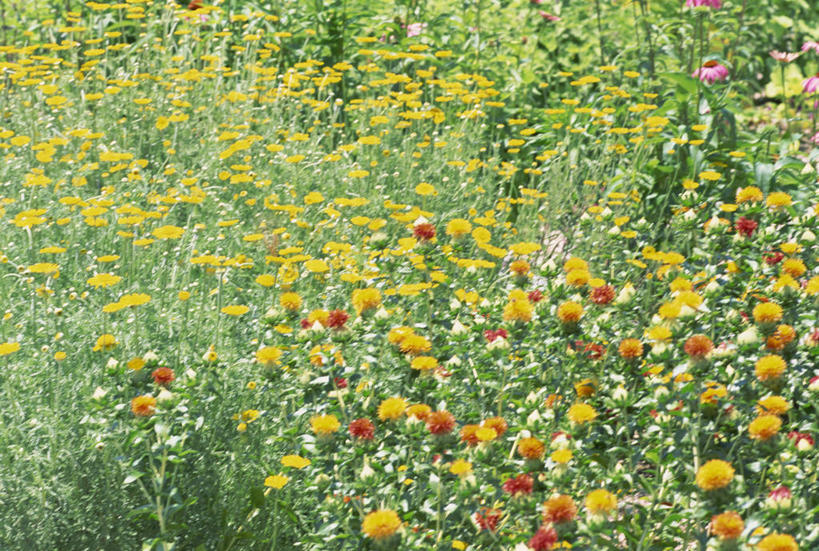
[715, 474]
[777, 542]
[711, 72]
[727, 526]
[559, 509]
[381, 524]
[714, 4]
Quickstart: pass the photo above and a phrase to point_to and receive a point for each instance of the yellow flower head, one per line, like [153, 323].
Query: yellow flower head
[391, 409]
[601, 502]
[324, 425]
[381, 524]
[715, 474]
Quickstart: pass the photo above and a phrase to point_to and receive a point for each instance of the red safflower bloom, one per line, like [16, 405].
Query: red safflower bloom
[774, 258]
[340, 382]
[603, 294]
[535, 296]
[440, 422]
[362, 429]
[195, 5]
[305, 324]
[487, 519]
[698, 346]
[746, 226]
[337, 318]
[163, 375]
[521, 484]
[424, 232]
[544, 539]
[798, 437]
[490, 335]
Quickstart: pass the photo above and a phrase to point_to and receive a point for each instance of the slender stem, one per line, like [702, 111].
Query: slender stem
[600, 32]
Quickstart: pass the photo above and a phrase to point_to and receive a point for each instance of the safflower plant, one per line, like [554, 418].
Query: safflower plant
[300, 283]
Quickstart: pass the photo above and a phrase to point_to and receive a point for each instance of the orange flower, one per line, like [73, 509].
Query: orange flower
[570, 312]
[143, 406]
[560, 508]
[440, 422]
[698, 346]
[727, 526]
[630, 349]
[531, 448]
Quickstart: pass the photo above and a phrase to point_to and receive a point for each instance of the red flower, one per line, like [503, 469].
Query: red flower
[362, 429]
[774, 258]
[746, 226]
[337, 319]
[491, 335]
[341, 382]
[602, 295]
[305, 324]
[195, 5]
[424, 232]
[544, 539]
[487, 519]
[163, 375]
[521, 484]
[535, 296]
[440, 422]
[798, 437]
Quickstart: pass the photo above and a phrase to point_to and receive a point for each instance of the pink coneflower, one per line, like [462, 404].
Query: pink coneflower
[716, 4]
[548, 16]
[810, 45]
[811, 84]
[710, 72]
[414, 29]
[815, 138]
[784, 57]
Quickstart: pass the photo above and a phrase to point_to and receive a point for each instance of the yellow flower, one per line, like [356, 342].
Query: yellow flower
[749, 194]
[460, 467]
[715, 474]
[764, 427]
[777, 542]
[425, 189]
[276, 481]
[295, 461]
[391, 409]
[575, 263]
[458, 227]
[415, 344]
[727, 526]
[518, 310]
[531, 448]
[767, 312]
[168, 232]
[7, 348]
[43, 268]
[105, 342]
[104, 280]
[366, 299]
[601, 502]
[769, 367]
[778, 199]
[578, 278]
[290, 301]
[424, 363]
[268, 355]
[324, 425]
[775, 405]
[381, 524]
[561, 457]
[581, 413]
[235, 310]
